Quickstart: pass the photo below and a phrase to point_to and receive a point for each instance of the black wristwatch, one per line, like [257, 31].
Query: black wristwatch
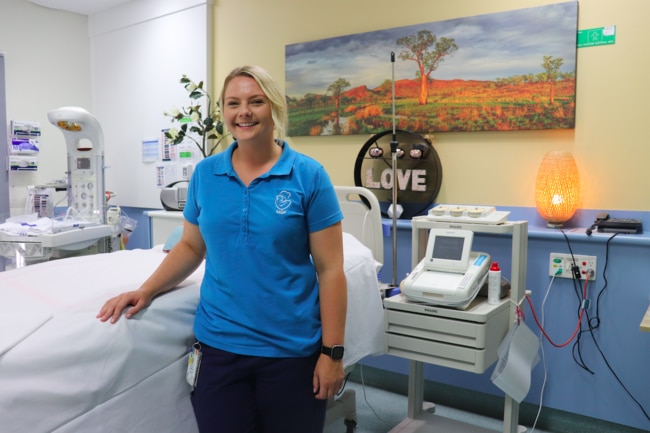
[334, 352]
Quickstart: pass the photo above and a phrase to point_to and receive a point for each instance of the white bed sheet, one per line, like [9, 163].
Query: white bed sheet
[63, 371]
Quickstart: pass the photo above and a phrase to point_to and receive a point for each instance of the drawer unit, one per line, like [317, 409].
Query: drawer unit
[462, 339]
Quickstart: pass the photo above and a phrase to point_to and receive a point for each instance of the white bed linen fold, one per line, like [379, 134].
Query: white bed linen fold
[20, 316]
[75, 363]
[364, 326]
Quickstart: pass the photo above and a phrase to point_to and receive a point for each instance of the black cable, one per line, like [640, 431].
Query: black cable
[620, 382]
[576, 349]
[566, 238]
[591, 327]
[593, 322]
[345, 382]
[576, 352]
[576, 345]
[605, 282]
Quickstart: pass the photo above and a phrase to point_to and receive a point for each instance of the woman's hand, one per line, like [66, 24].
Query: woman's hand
[328, 377]
[112, 309]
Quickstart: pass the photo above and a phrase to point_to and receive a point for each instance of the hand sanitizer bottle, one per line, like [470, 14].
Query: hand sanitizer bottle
[494, 283]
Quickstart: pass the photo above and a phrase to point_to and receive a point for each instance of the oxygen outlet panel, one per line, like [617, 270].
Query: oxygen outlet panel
[560, 265]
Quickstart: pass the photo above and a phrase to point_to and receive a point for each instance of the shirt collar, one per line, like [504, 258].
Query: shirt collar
[283, 166]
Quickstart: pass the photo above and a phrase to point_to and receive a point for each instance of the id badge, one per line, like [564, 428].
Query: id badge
[193, 364]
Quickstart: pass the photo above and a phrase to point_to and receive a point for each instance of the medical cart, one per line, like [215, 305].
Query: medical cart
[466, 340]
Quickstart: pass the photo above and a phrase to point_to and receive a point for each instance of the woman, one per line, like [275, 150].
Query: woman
[271, 317]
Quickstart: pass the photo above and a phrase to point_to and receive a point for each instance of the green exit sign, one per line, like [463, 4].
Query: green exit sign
[597, 36]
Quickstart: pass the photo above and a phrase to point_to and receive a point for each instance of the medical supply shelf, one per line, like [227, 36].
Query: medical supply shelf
[468, 339]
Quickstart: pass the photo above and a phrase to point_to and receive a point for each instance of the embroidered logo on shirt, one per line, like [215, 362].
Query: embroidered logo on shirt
[282, 202]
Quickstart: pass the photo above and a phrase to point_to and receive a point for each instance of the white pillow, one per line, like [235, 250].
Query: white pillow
[173, 239]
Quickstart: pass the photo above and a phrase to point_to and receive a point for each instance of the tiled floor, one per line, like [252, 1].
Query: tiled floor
[379, 411]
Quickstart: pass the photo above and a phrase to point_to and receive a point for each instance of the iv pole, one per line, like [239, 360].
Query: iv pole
[393, 152]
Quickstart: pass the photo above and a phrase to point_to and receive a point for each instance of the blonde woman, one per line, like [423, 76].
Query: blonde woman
[271, 317]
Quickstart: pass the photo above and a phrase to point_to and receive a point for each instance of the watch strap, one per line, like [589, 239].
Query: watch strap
[335, 352]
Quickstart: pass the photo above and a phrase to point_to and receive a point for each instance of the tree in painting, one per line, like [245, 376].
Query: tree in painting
[418, 49]
[336, 89]
[552, 67]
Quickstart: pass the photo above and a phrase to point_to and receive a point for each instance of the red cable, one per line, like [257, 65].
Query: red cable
[575, 332]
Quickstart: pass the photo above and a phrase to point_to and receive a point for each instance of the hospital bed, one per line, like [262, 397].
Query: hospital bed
[64, 371]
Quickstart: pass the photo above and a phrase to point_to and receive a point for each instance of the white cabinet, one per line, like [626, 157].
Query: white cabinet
[162, 223]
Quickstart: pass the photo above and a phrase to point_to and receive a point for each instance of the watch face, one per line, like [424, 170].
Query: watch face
[337, 352]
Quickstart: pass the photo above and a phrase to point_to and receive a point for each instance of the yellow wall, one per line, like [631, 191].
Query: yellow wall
[610, 141]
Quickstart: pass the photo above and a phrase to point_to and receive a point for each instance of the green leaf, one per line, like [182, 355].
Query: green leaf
[172, 140]
[203, 127]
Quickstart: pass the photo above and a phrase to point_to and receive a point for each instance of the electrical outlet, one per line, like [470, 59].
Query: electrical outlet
[560, 264]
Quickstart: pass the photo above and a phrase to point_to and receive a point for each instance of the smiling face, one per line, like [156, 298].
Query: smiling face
[247, 111]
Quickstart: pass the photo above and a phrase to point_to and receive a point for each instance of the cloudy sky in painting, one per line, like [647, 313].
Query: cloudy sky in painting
[490, 46]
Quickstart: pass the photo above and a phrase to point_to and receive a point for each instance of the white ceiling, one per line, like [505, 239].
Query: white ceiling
[85, 7]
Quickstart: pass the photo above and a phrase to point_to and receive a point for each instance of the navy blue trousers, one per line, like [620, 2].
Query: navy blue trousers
[249, 394]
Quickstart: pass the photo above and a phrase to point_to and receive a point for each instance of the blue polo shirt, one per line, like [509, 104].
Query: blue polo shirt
[259, 294]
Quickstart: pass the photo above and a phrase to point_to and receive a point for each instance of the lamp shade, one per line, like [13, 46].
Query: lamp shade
[557, 189]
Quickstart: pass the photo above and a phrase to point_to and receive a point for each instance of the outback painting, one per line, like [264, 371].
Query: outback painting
[507, 71]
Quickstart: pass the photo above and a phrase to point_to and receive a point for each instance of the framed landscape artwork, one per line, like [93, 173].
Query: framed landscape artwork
[506, 71]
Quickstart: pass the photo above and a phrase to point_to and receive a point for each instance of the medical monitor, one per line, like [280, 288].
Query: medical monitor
[448, 250]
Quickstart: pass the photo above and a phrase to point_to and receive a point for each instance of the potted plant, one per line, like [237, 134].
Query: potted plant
[206, 130]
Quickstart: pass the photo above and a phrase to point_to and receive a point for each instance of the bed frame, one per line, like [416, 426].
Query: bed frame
[362, 218]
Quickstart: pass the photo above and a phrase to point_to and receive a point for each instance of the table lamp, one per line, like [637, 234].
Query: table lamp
[557, 190]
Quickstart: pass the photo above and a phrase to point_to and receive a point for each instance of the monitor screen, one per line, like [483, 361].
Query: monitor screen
[448, 247]
[448, 250]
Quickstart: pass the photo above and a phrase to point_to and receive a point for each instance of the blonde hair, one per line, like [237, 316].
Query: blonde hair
[270, 89]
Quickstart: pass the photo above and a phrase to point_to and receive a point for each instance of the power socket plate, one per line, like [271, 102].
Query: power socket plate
[563, 262]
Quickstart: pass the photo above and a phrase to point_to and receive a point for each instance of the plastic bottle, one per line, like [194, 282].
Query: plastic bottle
[494, 283]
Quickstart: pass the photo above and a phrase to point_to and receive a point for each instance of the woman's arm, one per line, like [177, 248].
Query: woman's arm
[327, 252]
[179, 263]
